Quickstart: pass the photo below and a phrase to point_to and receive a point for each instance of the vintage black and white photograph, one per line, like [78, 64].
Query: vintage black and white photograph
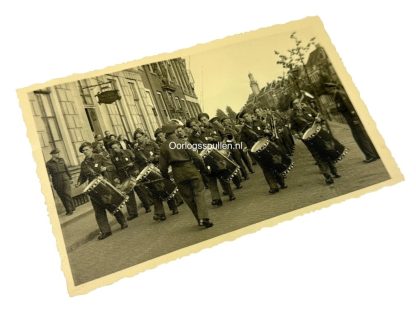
[152, 160]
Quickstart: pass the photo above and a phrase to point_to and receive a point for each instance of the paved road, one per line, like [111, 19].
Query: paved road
[146, 239]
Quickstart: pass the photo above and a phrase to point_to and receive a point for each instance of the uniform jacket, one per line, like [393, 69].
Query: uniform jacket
[124, 163]
[251, 133]
[144, 152]
[58, 171]
[210, 131]
[91, 168]
[302, 119]
[181, 160]
[345, 107]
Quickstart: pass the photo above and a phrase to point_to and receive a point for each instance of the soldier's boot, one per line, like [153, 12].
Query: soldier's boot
[120, 219]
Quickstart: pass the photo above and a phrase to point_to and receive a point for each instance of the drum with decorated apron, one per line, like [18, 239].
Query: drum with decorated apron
[271, 156]
[327, 147]
[219, 164]
[106, 194]
[160, 187]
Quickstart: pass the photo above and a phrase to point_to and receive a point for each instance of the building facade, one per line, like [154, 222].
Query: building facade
[68, 114]
[173, 88]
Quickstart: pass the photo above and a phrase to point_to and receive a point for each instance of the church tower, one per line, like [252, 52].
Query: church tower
[253, 84]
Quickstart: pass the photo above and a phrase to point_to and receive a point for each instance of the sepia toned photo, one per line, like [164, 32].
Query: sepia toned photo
[151, 160]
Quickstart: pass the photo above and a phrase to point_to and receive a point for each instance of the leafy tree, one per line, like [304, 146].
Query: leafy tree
[221, 113]
[231, 113]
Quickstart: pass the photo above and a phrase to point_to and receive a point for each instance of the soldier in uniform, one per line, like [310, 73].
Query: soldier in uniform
[61, 180]
[345, 107]
[141, 162]
[123, 160]
[250, 133]
[159, 136]
[149, 152]
[302, 119]
[209, 135]
[92, 166]
[185, 173]
[232, 135]
[247, 158]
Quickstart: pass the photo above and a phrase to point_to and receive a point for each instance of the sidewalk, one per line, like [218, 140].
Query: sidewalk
[80, 227]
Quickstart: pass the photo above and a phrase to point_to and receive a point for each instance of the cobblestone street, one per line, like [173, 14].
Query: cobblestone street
[146, 239]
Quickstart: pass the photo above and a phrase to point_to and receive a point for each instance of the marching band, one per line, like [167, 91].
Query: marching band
[156, 172]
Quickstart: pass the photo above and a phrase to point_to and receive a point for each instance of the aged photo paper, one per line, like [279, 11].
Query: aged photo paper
[272, 127]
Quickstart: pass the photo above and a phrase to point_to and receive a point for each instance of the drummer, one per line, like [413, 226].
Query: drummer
[184, 164]
[215, 121]
[159, 136]
[209, 135]
[302, 118]
[150, 152]
[250, 133]
[123, 160]
[93, 166]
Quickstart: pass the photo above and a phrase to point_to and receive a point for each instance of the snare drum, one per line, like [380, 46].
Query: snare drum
[324, 143]
[103, 192]
[271, 156]
[160, 187]
[220, 165]
[127, 186]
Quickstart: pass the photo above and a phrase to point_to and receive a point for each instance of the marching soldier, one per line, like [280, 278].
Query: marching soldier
[141, 162]
[159, 136]
[185, 173]
[251, 132]
[61, 180]
[150, 152]
[231, 135]
[205, 135]
[123, 160]
[92, 166]
[302, 119]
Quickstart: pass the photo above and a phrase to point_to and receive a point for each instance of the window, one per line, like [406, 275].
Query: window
[49, 119]
[163, 104]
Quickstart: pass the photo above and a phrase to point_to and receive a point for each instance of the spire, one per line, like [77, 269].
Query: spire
[253, 84]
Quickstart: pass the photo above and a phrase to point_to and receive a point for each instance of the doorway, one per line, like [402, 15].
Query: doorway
[93, 120]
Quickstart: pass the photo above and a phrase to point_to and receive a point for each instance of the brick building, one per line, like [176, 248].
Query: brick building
[68, 114]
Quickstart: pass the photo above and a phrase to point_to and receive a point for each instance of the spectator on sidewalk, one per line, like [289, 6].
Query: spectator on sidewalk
[345, 107]
[61, 180]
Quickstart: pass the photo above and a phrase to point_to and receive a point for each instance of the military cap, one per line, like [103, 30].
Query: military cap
[170, 127]
[84, 144]
[200, 115]
[179, 122]
[157, 131]
[55, 151]
[214, 119]
[138, 130]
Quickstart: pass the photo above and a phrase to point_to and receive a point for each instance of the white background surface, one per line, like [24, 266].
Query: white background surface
[355, 256]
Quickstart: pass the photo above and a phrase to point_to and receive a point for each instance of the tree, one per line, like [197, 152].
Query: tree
[221, 113]
[230, 112]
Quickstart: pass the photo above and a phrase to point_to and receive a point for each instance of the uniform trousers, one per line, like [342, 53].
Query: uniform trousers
[64, 192]
[101, 216]
[363, 140]
[192, 192]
